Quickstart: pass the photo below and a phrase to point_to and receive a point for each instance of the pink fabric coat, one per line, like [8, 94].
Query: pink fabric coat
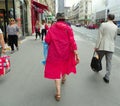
[61, 45]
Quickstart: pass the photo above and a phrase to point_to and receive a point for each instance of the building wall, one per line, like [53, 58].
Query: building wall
[29, 16]
[101, 8]
[60, 5]
[98, 5]
[114, 8]
[21, 13]
[85, 11]
[76, 12]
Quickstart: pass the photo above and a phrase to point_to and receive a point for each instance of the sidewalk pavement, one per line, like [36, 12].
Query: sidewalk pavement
[19, 42]
[93, 91]
[86, 88]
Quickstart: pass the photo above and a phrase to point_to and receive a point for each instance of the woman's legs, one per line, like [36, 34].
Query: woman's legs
[58, 86]
[63, 78]
[36, 35]
[16, 41]
[58, 89]
[42, 33]
[11, 41]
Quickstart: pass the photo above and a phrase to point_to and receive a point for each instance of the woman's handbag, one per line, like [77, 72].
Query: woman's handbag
[45, 51]
[96, 64]
[4, 64]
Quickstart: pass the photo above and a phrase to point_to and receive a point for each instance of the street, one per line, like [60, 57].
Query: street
[25, 84]
[91, 35]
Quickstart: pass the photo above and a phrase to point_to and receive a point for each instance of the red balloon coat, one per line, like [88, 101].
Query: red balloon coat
[61, 45]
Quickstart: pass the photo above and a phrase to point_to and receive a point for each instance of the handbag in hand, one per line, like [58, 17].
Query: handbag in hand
[4, 64]
[96, 64]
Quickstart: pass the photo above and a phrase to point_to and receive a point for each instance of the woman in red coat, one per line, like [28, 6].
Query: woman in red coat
[62, 52]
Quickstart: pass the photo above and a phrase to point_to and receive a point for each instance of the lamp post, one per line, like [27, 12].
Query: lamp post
[14, 9]
[6, 6]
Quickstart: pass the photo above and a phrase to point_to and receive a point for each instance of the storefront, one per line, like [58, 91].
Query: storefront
[7, 10]
[21, 17]
[16, 9]
[37, 12]
[100, 17]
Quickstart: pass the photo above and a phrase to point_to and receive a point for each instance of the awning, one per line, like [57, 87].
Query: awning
[39, 5]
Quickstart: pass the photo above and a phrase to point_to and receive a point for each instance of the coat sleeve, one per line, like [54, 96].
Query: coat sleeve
[100, 34]
[72, 40]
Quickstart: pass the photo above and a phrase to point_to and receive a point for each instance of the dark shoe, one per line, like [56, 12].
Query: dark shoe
[17, 48]
[105, 80]
[63, 81]
[57, 97]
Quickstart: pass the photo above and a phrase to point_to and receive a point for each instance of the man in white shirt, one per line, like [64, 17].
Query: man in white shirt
[105, 43]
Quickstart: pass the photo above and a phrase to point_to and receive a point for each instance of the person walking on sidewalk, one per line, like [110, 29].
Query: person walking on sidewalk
[62, 54]
[105, 43]
[43, 29]
[12, 32]
[37, 29]
[2, 43]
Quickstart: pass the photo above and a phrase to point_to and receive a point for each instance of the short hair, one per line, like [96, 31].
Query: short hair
[111, 16]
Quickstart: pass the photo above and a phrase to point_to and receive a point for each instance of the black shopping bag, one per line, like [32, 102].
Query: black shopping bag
[96, 64]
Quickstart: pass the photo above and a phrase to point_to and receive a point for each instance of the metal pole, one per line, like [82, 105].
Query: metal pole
[14, 9]
[6, 6]
[6, 19]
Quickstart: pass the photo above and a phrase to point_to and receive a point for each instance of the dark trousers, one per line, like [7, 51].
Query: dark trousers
[37, 34]
[13, 40]
[43, 33]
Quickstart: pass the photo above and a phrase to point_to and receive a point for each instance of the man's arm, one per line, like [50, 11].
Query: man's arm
[2, 43]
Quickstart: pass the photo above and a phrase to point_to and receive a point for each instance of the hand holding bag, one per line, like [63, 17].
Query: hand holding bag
[96, 64]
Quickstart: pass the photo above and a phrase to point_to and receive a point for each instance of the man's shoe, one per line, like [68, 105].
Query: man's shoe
[17, 48]
[105, 80]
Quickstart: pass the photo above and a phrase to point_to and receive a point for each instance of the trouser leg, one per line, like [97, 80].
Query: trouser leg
[39, 34]
[36, 35]
[11, 41]
[42, 33]
[108, 64]
[16, 41]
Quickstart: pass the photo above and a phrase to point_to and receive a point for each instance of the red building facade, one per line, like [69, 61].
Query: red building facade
[36, 9]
